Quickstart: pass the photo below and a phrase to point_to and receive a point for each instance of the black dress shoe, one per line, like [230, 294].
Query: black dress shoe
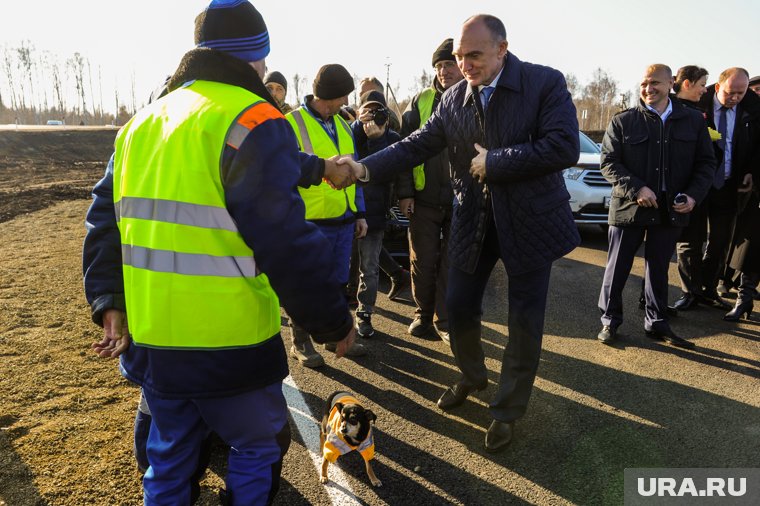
[457, 393]
[669, 337]
[714, 300]
[607, 335]
[499, 436]
[739, 309]
[685, 302]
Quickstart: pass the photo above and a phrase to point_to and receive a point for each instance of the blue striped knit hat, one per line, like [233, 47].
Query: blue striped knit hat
[235, 27]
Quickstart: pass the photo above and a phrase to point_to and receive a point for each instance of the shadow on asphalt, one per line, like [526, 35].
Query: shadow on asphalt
[574, 445]
[397, 487]
[576, 450]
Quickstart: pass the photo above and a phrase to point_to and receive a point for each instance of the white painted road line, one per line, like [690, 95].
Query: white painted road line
[307, 425]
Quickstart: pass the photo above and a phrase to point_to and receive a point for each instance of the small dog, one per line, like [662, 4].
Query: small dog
[347, 426]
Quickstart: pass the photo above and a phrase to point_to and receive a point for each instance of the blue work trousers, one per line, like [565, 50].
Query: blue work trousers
[254, 424]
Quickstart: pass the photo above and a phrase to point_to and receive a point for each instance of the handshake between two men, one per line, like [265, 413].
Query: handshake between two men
[342, 172]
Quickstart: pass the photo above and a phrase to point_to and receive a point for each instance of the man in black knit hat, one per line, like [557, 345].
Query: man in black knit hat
[199, 180]
[278, 88]
[425, 197]
[339, 213]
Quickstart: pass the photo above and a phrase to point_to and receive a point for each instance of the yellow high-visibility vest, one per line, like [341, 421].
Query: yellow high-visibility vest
[425, 106]
[190, 279]
[322, 201]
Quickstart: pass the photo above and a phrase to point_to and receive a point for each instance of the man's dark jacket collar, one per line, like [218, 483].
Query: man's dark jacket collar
[211, 65]
[678, 111]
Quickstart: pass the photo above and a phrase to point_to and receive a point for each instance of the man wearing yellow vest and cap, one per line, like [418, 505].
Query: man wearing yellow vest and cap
[425, 197]
[198, 235]
[339, 213]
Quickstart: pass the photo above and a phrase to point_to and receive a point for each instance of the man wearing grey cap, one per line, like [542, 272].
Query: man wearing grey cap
[200, 180]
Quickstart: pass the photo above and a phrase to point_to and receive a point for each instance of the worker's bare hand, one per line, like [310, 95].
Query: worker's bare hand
[115, 335]
[343, 345]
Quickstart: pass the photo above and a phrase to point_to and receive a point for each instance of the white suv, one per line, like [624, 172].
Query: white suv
[589, 191]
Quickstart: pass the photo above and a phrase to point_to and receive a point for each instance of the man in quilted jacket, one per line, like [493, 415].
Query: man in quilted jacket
[510, 128]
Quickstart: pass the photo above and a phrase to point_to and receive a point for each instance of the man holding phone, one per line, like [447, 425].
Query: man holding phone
[735, 114]
[660, 162]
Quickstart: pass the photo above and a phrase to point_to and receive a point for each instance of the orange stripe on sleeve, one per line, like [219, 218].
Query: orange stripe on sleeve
[258, 114]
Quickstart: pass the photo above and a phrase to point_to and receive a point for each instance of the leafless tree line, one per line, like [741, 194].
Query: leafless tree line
[598, 100]
[38, 86]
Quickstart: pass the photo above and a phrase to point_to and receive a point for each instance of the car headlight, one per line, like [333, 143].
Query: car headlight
[572, 173]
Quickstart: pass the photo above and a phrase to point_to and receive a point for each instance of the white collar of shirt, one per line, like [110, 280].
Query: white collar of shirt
[664, 115]
[494, 82]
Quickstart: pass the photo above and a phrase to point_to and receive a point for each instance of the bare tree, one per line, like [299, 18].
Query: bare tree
[76, 63]
[100, 91]
[132, 92]
[116, 92]
[92, 94]
[356, 88]
[8, 67]
[298, 82]
[573, 86]
[601, 91]
[58, 88]
[424, 80]
[24, 54]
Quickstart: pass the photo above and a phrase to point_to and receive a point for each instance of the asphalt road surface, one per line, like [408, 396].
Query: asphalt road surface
[595, 409]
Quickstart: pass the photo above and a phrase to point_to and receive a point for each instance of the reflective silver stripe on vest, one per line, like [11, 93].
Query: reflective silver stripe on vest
[236, 135]
[366, 443]
[338, 443]
[304, 134]
[191, 264]
[172, 211]
[345, 126]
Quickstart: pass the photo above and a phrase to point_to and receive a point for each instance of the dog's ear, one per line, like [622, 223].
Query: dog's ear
[370, 415]
[339, 406]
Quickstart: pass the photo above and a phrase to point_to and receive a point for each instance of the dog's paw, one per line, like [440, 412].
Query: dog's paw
[377, 483]
[323, 479]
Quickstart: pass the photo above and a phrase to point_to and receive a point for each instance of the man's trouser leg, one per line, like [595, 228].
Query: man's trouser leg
[689, 252]
[424, 252]
[441, 284]
[658, 250]
[254, 424]
[623, 244]
[721, 217]
[369, 255]
[464, 299]
[527, 308]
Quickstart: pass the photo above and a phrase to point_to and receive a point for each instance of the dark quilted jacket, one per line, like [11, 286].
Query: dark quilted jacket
[531, 132]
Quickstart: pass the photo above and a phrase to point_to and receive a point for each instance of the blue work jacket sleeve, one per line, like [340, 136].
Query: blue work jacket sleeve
[555, 146]
[262, 197]
[312, 170]
[101, 253]
[402, 156]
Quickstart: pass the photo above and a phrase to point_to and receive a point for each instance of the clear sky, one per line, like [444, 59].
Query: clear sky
[148, 38]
